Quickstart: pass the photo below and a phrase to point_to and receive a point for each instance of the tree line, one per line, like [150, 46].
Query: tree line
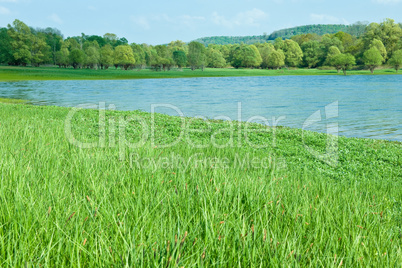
[381, 43]
[356, 29]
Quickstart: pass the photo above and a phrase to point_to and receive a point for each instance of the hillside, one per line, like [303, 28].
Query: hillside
[356, 29]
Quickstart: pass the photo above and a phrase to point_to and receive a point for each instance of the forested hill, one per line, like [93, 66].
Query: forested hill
[356, 29]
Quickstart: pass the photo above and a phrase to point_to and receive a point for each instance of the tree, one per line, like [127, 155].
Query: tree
[21, 37]
[278, 43]
[311, 53]
[77, 58]
[123, 56]
[215, 58]
[343, 62]
[276, 59]
[196, 55]
[6, 55]
[62, 57]
[372, 58]
[380, 47]
[388, 32]
[246, 56]
[396, 60]
[164, 57]
[139, 55]
[106, 56]
[265, 50]
[92, 57]
[345, 38]
[293, 53]
[180, 58]
[332, 52]
[39, 51]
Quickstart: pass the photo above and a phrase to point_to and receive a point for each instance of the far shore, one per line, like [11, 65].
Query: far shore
[10, 73]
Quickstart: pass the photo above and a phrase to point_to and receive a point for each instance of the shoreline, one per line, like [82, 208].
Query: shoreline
[27, 102]
[15, 74]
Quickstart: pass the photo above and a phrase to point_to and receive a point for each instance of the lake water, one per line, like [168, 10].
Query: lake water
[362, 106]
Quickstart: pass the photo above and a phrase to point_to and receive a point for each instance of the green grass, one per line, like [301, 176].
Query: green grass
[63, 206]
[53, 73]
[4, 100]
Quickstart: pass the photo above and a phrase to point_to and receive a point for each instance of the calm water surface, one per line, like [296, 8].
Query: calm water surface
[368, 106]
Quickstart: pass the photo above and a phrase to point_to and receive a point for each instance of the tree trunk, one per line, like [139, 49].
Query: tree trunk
[371, 70]
[344, 71]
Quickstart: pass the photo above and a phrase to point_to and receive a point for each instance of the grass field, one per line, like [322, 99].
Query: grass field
[115, 205]
[54, 73]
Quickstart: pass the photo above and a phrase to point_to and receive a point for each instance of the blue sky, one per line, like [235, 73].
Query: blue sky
[156, 22]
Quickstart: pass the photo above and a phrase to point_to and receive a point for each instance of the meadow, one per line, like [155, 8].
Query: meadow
[252, 197]
[54, 73]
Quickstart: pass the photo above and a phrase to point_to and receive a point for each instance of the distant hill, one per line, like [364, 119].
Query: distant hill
[356, 29]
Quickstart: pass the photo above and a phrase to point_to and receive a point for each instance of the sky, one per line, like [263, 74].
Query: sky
[159, 22]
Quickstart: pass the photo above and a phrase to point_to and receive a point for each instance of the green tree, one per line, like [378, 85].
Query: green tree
[92, 57]
[343, 62]
[388, 32]
[215, 58]
[265, 50]
[332, 52]
[165, 57]
[380, 47]
[77, 58]
[293, 53]
[372, 58]
[39, 51]
[278, 43]
[6, 55]
[21, 37]
[180, 58]
[139, 56]
[196, 55]
[311, 53]
[276, 59]
[62, 57]
[246, 56]
[106, 56]
[396, 60]
[124, 56]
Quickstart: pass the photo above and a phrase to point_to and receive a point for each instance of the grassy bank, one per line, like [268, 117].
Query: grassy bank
[111, 205]
[54, 73]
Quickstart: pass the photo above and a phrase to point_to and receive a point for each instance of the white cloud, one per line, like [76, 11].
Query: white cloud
[4, 11]
[385, 2]
[55, 18]
[324, 18]
[145, 22]
[141, 21]
[248, 18]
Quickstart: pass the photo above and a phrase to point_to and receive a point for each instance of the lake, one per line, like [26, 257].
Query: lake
[366, 106]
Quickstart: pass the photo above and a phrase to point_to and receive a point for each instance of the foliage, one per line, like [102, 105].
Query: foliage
[106, 56]
[180, 58]
[77, 58]
[396, 60]
[343, 62]
[311, 53]
[293, 53]
[372, 58]
[196, 55]
[124, 56]
[276, 59]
